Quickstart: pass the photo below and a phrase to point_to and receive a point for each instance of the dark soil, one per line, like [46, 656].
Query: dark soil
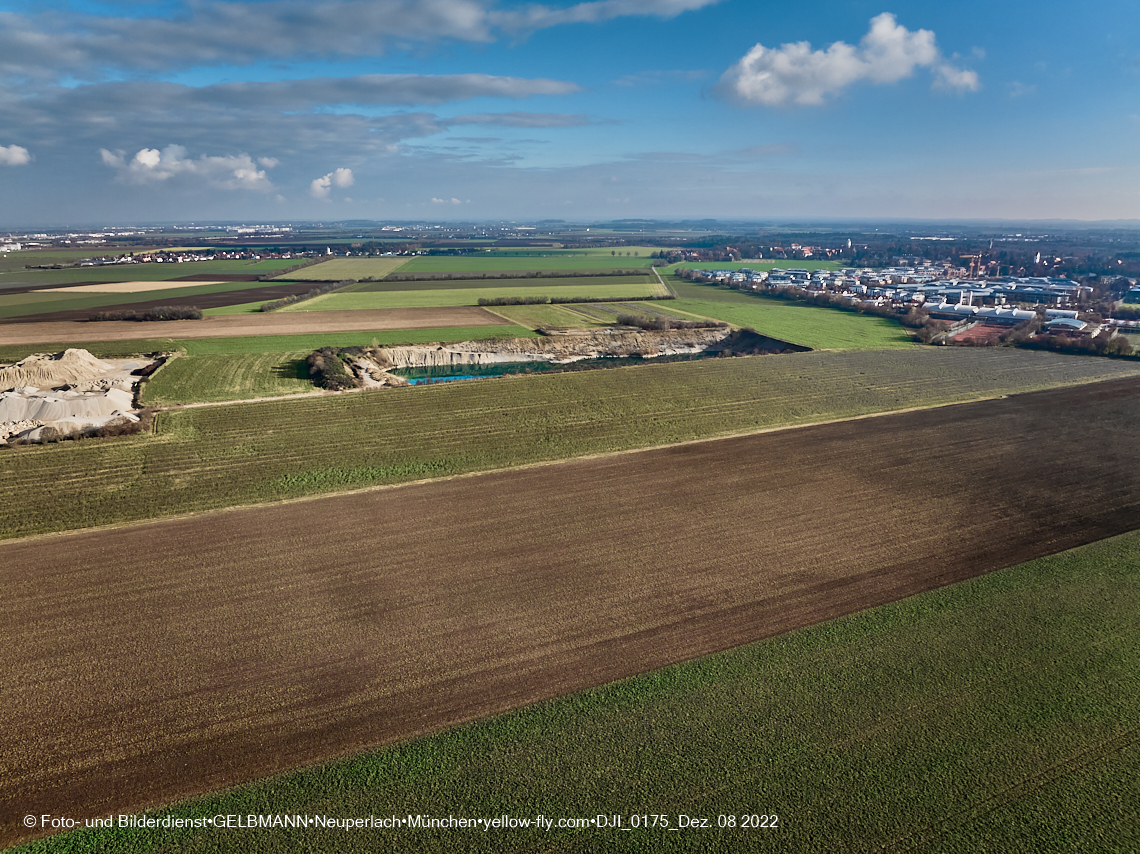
[158, 661]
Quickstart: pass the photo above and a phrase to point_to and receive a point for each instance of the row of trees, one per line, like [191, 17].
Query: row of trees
[661, 324]
[158, 312]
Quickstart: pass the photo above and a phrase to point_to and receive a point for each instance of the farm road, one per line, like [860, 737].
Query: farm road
[241, 325]
[161, 660]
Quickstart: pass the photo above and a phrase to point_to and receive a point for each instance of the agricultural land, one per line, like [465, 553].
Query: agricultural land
[362, 634]
[882, 590]
[199, 459]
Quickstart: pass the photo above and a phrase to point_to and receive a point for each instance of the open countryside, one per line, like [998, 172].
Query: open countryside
[674, 474]
[358, 609]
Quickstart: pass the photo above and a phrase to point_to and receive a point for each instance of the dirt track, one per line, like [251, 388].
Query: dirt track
[162, 660]
[238, 325]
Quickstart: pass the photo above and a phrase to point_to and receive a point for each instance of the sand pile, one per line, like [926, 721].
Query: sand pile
[51, 370]
[72, 393]
[62, 406]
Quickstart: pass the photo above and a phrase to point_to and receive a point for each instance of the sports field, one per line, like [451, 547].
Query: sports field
[340, 632]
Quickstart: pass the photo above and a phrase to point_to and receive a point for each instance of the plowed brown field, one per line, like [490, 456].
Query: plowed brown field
[157, 661]
[241, 325]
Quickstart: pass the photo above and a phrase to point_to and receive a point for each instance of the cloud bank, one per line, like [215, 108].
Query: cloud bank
[49, 45]
[796, 74]
[152, 166]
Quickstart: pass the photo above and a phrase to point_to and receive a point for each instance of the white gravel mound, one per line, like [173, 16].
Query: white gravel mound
[71, 392]
[49, 370]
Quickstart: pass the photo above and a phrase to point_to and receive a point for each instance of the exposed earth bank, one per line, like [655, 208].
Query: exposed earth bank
[564, 349]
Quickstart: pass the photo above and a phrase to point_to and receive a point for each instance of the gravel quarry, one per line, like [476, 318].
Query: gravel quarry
[71, 392]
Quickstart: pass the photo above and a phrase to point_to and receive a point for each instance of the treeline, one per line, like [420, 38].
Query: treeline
[564, 300]
[158, 312]
[662, 323]
[1026, 335]
[309, 294]
[327, 369]
[536, 274]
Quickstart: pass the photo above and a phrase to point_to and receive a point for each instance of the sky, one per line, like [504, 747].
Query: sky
[134, 111]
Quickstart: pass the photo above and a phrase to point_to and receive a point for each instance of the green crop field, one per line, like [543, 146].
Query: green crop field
[271, 264]
[812, 326]
[38, 302]
[998, 714]
[529, 282]
[239, 308]
[270, 343]
[477, 264]
[336, 269]
[199, 459]
[151, 272]
[203, 378]
[552, 252]
[438, 297]
[535, 316]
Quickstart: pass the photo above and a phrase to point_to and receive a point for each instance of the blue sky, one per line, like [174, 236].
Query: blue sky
[472, 109]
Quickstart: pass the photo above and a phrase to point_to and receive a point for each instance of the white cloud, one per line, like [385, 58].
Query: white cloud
[222, 32]
[320, 188]
[536, 16]
[961, 80]
[14, 155]
[796, 74]
[268, 162]
[114, 159]
[149, 165]
[451, 201]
